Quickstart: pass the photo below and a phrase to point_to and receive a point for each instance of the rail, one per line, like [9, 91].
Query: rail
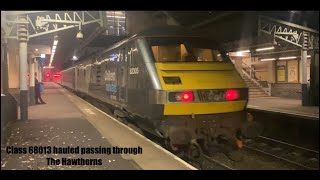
[289, 153]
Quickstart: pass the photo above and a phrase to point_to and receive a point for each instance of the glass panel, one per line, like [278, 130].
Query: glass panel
[116, 23]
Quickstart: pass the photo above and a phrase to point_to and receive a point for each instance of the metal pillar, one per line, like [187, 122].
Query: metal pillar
[304, 78]
[32, 82]
[23, 39]
[40, 72]
[304, 81]
[5, 67]
[314, 78]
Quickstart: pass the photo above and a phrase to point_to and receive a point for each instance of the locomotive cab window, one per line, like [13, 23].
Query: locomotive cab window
[185, 50]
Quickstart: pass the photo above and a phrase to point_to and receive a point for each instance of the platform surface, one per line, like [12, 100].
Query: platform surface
[284, 106]
[67, 120]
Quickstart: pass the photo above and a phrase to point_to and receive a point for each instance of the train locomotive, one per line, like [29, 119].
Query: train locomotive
[177, 86]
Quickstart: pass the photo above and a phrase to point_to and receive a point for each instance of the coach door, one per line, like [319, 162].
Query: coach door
[123, 75]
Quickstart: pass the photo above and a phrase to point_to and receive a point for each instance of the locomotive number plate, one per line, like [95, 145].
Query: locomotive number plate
[211, 95]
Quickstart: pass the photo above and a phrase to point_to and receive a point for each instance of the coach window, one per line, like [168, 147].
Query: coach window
[98, 74]
[121, 52]
[135, 56]
[128, 53]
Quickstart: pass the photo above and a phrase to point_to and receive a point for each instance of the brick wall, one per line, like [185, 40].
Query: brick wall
[286, 90]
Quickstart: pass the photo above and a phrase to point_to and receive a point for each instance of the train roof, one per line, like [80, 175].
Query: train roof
[160, 31]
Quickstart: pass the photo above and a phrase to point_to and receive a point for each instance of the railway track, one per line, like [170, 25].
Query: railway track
[263, 153]
[217, 163]
[298, 156]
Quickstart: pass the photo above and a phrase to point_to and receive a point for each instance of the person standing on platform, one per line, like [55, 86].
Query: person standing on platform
[37, 90]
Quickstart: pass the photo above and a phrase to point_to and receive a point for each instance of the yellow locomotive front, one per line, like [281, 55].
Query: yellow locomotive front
[206, 96]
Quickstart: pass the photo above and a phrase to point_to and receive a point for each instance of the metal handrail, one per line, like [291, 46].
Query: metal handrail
[256, 76]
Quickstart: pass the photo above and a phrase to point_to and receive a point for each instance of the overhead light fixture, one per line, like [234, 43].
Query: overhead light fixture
[54, 46]
[309, 56]
[268, 59]
[290, 57]
[55, 42]
[239, 54]
[79, 35]
[115, 12]
[118, 21]
[74, 58]
[37, 49]
[48, 67]
[265, 49]
[244, 51]
[122, 17]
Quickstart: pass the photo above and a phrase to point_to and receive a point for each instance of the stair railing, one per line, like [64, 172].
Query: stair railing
[254, 76]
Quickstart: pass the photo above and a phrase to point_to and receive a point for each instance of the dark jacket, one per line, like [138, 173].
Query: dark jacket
[36, 85]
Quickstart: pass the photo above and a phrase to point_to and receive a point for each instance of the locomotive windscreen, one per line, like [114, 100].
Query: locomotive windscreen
[182, 49]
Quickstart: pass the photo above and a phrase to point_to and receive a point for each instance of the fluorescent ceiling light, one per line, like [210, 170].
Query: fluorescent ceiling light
[308, 56]
[45, 67]
[120, 17]
[265, 49]
[116, 12]
[290, 57]
[268, 59]
[244, 51]
[239, 54]
[55, 43]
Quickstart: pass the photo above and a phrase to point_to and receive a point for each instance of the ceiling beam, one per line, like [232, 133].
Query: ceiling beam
[91, 37]
[211, 20]
[170, 19]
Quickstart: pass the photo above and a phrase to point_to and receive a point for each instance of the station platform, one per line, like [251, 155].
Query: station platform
[291, 107]
[67, 120]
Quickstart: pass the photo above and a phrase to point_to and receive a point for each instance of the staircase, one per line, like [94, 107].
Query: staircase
[254, 90]
[254, 82]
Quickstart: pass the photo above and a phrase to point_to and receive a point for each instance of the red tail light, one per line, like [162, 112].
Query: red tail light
[232, 94]
[187, 96]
